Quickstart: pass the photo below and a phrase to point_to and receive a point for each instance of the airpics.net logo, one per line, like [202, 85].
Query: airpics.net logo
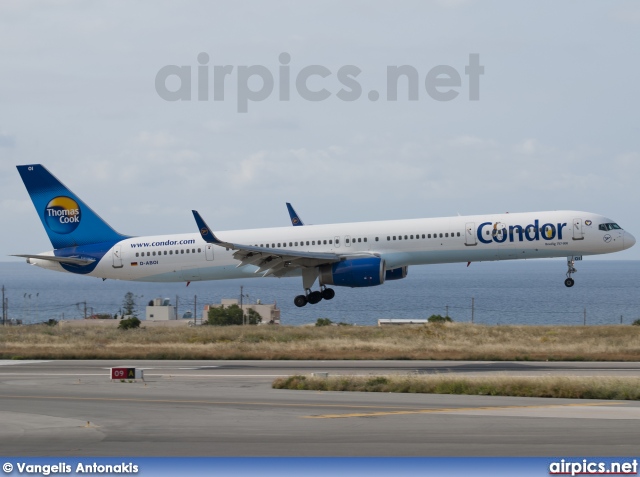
[254, 83]
[62, 215]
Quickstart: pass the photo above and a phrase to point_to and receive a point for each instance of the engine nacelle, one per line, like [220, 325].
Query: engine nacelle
[396, 273]
[359, 272]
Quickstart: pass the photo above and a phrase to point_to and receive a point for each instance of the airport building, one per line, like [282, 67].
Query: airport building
[160, 309]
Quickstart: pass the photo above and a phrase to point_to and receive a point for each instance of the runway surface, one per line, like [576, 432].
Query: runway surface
[227, 408]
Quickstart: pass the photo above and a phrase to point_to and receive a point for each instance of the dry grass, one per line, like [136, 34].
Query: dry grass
[546, 386]
[443, 341]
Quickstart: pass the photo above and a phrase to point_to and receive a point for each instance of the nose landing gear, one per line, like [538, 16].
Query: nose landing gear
[569, 282]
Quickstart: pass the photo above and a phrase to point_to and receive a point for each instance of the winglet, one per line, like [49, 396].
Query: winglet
[295, 219]
[205, 231]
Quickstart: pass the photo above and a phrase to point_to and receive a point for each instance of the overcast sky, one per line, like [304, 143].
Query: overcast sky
[555, 125]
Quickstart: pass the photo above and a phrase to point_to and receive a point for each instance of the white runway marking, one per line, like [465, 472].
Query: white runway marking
[11, 362]
[166, 375]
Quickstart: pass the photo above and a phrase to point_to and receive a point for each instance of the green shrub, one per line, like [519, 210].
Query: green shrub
[103, 316]
[129, 323]
[439, 319]
[636, 322]
[51, 322]
[324, 322]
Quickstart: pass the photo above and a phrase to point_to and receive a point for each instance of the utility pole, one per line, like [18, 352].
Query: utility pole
[472, 308]
[195, 316]
[620, 319]
[85, 310]
[176, 307]
[241, 309]
[584, 314]
[447, 312]
[4, 308]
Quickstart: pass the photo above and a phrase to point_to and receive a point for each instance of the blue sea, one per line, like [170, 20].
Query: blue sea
[519, 292]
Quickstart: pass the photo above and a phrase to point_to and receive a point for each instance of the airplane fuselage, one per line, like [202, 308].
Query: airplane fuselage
[400, 243]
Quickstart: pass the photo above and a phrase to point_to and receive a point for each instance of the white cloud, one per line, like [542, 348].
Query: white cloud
[7, 140]
[628, 13]
[14, 206]
[549, 131]
[473, 142]
[527, 147]
[156, 140]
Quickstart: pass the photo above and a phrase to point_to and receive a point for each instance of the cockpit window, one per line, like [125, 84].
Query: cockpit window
[606, 227]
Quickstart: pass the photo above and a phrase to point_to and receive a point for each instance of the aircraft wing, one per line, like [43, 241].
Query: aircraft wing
[52, 258]
[271, 261]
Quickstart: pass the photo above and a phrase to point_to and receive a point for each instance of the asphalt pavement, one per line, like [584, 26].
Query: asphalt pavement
[227, 408]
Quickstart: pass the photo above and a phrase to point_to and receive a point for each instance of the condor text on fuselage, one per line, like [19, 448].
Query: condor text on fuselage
[531, 232]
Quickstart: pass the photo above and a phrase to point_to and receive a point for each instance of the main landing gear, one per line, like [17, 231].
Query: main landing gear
[569, 282]
[314, 297]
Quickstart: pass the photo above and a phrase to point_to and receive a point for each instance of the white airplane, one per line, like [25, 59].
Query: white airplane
[359, 254]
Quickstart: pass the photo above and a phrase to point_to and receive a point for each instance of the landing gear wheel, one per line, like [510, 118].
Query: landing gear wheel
[300, 301]
[328, 293]
[314, 297]
[569, 282]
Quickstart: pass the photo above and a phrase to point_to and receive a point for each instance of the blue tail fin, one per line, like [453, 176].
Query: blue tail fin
[296, 221]
[68, 221]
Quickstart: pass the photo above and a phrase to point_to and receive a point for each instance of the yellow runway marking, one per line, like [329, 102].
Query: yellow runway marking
[397, 410]
[455, 409]
[185, 401]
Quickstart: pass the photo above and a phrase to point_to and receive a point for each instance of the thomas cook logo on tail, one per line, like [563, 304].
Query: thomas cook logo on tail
[62, 215]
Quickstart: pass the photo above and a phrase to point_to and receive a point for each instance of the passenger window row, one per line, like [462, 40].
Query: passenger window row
[356, 240]
[170, 252]
[424, 236]
[296, 244]
[312, 242]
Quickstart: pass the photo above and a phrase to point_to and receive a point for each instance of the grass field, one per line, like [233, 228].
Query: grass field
[545, 386]
[433, 341]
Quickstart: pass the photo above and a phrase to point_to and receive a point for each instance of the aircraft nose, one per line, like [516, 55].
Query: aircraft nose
[629, 240]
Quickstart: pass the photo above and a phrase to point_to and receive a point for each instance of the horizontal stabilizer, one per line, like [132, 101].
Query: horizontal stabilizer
[68, 260]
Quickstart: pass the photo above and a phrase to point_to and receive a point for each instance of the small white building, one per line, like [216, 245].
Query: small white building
[270, 314]
[160, 310]
[399, 321]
